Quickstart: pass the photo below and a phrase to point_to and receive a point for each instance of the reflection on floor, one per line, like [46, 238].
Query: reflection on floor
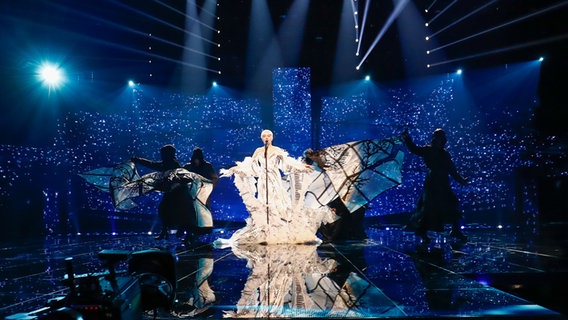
[498, 273]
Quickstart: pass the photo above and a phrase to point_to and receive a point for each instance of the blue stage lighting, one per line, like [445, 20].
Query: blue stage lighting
[367, 78]
[541, 59]
[51, 75]
[131, 83]
[214, 83]
[459, 71]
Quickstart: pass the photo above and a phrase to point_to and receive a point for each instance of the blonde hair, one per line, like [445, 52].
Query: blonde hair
[266, 131]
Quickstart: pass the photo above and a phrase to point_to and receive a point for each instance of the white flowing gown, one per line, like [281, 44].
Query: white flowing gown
[276, 215]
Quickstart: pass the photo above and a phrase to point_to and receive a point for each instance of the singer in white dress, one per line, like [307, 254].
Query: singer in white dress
[265, 181]
[287, 199]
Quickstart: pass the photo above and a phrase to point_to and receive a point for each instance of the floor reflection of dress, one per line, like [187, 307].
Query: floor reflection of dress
[293, 281]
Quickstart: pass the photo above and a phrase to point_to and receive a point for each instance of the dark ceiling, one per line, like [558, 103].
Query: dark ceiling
[107, 42]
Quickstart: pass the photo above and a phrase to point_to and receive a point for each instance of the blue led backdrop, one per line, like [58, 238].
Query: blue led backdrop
[487, 116]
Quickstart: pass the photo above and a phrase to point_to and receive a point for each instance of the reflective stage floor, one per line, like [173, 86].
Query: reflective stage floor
[505, 273]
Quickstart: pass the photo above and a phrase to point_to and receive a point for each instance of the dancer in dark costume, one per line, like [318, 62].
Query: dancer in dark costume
[204, 168]
[438, 204]
[174, 203]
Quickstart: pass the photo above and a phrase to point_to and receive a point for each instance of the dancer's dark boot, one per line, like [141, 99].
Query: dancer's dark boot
[422, 234]
[163, 234]
[456, 233]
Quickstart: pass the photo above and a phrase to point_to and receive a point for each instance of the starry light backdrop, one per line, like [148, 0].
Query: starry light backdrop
[488, 123]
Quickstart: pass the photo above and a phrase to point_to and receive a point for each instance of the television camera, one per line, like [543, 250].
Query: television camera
[149, 283]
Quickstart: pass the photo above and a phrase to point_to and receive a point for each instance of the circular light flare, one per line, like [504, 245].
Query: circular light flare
[131, 83]
[459, 71]
[367, 78]
[51, 75]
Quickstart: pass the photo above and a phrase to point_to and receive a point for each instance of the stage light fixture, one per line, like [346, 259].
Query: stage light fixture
[459, 71]
[463, 18]
[51, 75]
[541, 59]
[214, 83]
[131, 83]
[508, 23]
[367, 78]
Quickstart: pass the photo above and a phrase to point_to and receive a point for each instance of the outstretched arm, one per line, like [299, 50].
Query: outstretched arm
[154, 165]
[412, 147]
[455, 174]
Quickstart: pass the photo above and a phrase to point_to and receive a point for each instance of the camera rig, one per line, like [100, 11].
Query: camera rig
[149, 283]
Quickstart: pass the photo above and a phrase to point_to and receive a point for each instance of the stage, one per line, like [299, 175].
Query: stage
[507, 272]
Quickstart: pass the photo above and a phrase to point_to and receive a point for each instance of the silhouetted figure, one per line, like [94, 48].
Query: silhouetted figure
[173, 205]
[204, 168]
[438, 204]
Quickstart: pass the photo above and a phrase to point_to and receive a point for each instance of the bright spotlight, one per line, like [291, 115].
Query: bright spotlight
[459, 71]
[357, 68]
[427, 38]
[214, 83]
[427, 51]
[51, 75]
[426, 24]
[367, 78]
[541, 59]
[131, 83]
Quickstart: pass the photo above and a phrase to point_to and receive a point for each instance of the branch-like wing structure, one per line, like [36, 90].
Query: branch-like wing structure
[359, 171]
[124, 184]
